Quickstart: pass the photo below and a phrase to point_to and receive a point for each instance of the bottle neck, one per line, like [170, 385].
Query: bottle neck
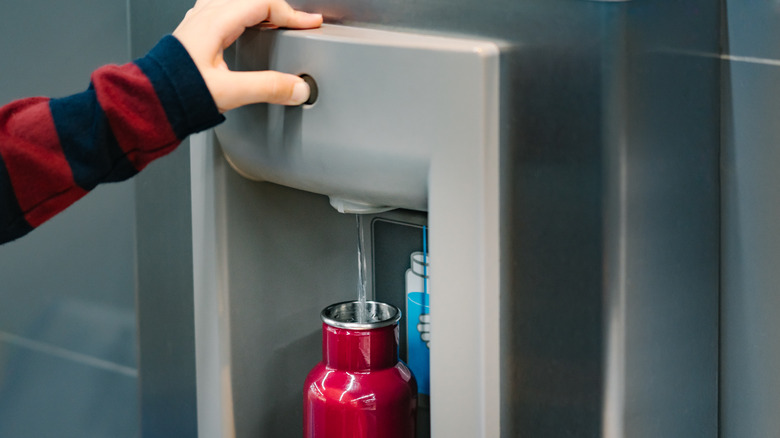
[360, 350]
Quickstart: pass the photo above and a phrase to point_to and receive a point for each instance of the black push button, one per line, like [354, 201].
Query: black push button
[313, 90]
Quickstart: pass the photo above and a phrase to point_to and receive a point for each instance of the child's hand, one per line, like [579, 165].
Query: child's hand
[213, 25]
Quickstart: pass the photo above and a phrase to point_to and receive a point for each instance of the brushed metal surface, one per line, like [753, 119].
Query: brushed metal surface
[663, 223]
[750, 383]
[166, 339]
[610, 201]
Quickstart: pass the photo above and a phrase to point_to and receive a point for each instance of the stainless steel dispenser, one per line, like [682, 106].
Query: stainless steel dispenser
[401, 121]
[608, 324]
[609, 255]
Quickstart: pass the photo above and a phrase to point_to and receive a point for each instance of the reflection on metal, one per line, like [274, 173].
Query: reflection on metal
[63, 353]
[616, 224]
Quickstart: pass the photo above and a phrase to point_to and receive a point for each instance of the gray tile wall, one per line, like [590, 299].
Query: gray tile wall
[67, 312]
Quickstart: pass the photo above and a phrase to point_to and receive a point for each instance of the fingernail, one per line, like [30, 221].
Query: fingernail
[300, 93]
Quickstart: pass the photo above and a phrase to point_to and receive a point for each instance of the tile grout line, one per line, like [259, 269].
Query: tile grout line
[67, 354]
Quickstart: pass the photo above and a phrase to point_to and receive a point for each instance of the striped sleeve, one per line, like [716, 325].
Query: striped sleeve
[54, 151]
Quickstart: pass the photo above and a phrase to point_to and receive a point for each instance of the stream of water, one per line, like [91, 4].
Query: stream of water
[362, 314]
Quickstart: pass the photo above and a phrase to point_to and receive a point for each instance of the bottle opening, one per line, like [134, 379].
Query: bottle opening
[346, 315]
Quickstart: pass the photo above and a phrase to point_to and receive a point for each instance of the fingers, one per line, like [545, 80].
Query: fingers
[277, 12]
[243, 88]
[283, 15]
[212, 25]
[226, 19]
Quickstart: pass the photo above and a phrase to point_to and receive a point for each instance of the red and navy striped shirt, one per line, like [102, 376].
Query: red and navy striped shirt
[54, 151]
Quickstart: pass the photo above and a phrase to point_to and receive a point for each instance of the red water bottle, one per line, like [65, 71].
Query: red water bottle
[360, 389]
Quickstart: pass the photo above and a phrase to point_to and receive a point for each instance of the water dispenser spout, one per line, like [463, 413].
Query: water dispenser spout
[346, 206]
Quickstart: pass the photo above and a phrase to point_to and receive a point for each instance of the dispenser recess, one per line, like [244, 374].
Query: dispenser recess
[401, 121]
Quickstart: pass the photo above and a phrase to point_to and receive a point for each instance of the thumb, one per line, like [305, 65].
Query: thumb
[233, 89]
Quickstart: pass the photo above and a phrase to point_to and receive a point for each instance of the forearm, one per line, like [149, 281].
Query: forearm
[53, 151]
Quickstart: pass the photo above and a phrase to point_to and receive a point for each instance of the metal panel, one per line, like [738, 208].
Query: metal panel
[609, 135]
[269, 259]
[663, 220]
[750, 383]
[164, 263]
